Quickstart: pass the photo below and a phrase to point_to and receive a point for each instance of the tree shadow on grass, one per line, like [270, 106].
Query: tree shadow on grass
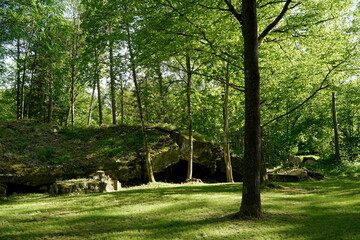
[177, 212]
[152, 223]
[327, 213]
[325, 224]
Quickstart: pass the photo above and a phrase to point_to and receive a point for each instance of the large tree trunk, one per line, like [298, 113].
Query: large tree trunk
[150, 173]
[190, 120]
[112, 84]
[97, 79]
[336, 128]
[229, 175]
[251, 202]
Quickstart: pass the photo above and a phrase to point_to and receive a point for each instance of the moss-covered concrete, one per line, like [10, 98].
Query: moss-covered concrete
[37, 154]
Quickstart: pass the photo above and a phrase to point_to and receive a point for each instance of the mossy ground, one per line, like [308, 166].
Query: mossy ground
[34, 144]
[328, 209]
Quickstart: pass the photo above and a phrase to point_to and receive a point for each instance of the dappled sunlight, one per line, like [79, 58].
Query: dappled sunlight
[208, 211]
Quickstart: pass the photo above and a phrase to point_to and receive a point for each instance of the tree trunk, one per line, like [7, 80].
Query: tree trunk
[162, 116]
[264, 177]
[72, 91]
[336, 128]
[18, 81]
[145, 98]
[190, 120]
[22, 90]
[112, 84]
[91, 104]
[44, 106]
[31, 87]
[122, 117]
[251, 202]
[51, 100]
[150, 173]
[72, 99]
[97, 79]
[30, 94]
[67, 116]
[74, 55]
[229, 175]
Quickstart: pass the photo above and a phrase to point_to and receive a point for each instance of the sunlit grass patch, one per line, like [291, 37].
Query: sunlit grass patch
[309, 210]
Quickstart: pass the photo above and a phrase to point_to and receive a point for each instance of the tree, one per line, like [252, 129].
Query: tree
[162, 94]
[190, 119]
[251, 203]
[97, 80]
[75, 45]
[336, 128]
[150, 173]
[91, 104]
[112, 79]
[60, 56]
[349, 116]
[229, 176]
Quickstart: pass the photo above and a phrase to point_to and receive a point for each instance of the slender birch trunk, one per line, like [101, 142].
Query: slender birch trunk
[91, 104]
[18, 80]
[229, 175]
[150, 173]
[112, 82]
[336, 128]
[162, 101]
[51, 99]
[97, 79]
[122, 117]
[22, 90]
[190, 119]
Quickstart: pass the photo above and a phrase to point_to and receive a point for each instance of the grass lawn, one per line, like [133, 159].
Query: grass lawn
[315, 210]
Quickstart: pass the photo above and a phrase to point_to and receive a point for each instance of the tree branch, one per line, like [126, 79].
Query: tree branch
[201, 32]
[270, 3]
[295, 108]
[223, 81]
[222, 57]
[275, 22]
[321, 87]
[214, 8]
[211, 46]
[219, 79]
[232, 9]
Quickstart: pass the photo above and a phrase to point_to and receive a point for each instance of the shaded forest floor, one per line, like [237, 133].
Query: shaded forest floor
[328, 209]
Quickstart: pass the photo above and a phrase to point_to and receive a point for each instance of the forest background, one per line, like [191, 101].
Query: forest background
[77, 63]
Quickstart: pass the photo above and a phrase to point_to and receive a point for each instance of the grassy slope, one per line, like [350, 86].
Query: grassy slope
[28, 143]
[310, 210]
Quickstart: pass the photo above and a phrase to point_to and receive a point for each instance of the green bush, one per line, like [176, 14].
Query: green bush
[343, 168]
